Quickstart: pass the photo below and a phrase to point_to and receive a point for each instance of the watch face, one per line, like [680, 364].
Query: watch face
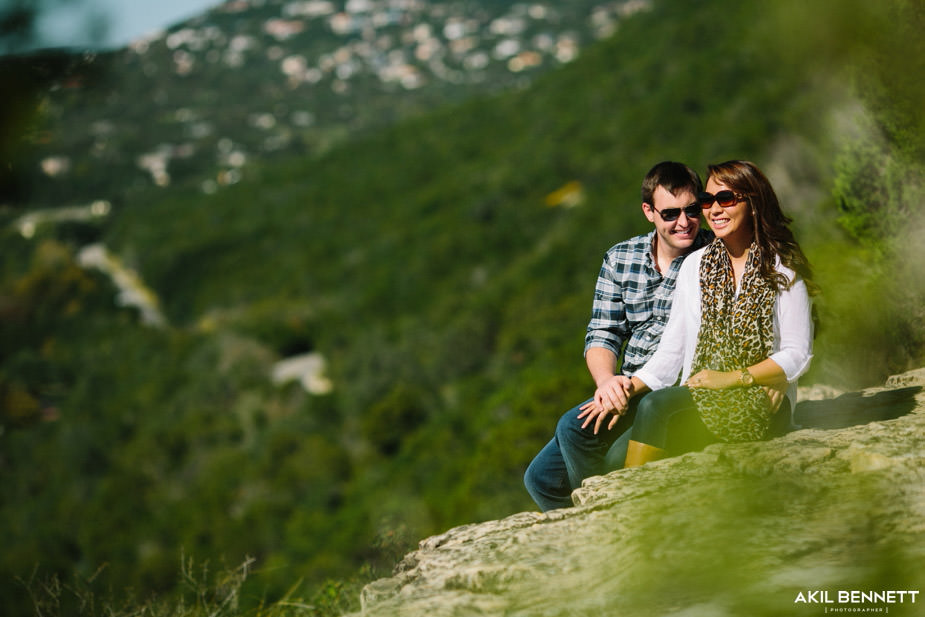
[747, 378]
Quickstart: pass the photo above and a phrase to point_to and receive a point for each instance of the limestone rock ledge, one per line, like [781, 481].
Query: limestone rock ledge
[738, 529]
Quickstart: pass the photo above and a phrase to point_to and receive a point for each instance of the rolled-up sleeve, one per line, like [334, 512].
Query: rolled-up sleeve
[794, 331]
[676, 346]
[608, 326]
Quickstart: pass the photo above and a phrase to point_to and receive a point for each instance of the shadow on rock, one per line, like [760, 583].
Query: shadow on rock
[854, 408]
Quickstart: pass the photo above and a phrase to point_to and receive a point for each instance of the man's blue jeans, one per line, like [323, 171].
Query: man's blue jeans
[574, 454]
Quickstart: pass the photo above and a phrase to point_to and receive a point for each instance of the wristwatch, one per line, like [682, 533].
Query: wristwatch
[746, 378]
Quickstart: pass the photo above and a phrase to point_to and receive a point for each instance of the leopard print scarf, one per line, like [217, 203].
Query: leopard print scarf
[735, 332]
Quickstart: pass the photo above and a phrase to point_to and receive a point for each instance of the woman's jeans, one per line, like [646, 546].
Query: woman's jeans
[665, 419]
[573, 454]
[669, 419]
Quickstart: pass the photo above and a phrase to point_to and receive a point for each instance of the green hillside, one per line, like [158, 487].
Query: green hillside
[190, 106]
[448, 297]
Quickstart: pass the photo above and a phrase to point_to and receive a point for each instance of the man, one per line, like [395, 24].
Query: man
[632, 301]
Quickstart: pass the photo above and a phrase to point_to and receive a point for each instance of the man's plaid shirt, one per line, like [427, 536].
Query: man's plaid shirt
[632, 300]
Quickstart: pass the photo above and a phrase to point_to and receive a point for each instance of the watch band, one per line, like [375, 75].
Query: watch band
[746, 378]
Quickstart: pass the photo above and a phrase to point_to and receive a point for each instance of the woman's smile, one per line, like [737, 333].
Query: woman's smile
[732, 224]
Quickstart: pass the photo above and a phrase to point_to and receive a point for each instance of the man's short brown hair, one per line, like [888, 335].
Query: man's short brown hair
[674, 177]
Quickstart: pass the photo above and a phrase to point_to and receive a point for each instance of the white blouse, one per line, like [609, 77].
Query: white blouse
[793, 331]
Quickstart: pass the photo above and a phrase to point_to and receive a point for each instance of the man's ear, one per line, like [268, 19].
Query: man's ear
[649, 211]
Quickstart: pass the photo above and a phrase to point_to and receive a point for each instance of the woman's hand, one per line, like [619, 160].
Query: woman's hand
[714, 380]
[611, 397]
[717, 380]
[614, 394]
[776, 394]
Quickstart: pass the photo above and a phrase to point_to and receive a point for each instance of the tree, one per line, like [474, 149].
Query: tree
[20, 21]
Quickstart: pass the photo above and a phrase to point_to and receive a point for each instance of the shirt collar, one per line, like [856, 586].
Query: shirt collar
[650, 253]
[703, 238]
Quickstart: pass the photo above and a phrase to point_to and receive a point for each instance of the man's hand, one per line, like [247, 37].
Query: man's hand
[611, 397]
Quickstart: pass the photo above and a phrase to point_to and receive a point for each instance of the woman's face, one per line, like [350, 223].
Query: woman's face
[732, 224]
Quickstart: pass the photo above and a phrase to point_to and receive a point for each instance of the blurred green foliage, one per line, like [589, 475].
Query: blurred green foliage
[449, 300]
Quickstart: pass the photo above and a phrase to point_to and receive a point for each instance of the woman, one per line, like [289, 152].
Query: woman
[740, 330]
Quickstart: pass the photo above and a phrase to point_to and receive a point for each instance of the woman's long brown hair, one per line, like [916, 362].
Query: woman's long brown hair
[772, 231]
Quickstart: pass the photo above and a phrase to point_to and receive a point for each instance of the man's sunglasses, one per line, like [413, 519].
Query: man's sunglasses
[671, 214]
[725, 199]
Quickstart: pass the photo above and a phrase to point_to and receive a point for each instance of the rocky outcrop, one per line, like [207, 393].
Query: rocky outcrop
[792, 526]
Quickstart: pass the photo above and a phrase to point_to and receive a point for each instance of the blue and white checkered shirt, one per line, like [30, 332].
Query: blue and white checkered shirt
[632, 300]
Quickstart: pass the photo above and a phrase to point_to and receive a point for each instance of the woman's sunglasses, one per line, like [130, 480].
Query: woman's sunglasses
[725, 199]
[671, 214]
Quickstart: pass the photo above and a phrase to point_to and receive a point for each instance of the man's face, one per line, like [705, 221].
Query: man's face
[677, 235]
